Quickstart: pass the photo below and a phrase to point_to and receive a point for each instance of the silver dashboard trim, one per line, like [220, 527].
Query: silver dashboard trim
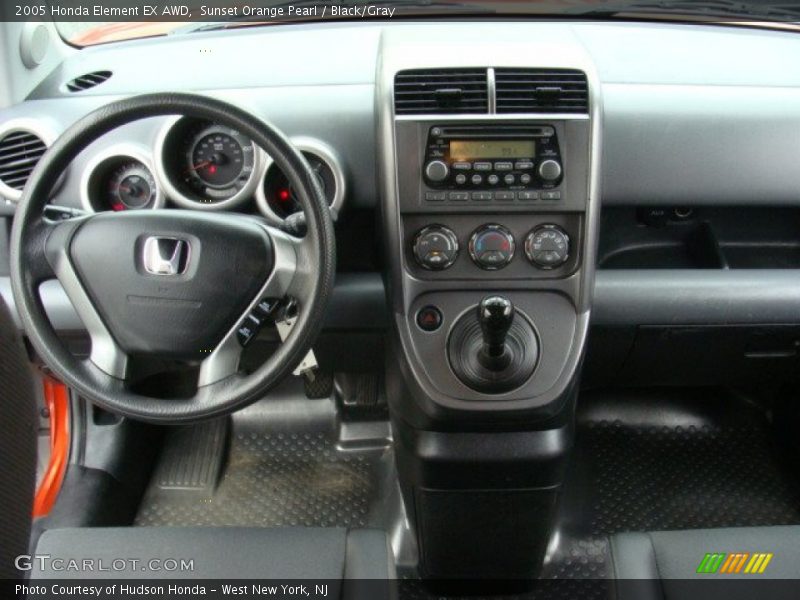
[105, 352]
[400, 50]
[491, 83]
[181, 199]
[325, 153]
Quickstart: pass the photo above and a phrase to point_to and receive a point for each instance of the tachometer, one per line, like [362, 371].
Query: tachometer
[118, 178]
[130, 187]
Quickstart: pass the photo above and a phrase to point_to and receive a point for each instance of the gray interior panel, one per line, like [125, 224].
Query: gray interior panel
[685, 144]
[664, 297]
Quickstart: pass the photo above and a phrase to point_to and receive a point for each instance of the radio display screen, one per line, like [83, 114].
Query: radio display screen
[477, 149]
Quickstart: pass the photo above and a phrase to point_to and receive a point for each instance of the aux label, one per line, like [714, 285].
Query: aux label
[175, 10]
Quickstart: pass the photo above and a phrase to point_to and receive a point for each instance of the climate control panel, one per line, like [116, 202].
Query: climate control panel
[544, 246]
[547, 246]
[435, 247]
[492, 247]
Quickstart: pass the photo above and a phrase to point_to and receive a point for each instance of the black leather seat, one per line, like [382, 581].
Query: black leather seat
[18, 430]
[666, 565]
[356, 558]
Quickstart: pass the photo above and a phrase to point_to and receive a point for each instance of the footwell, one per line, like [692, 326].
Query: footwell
[285, 467]
[668, 460]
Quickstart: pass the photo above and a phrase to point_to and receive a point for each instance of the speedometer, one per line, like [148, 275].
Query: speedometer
[206, 164]
[219, 163]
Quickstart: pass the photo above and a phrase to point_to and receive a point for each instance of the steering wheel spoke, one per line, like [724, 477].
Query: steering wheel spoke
[306, 272]
[105, 354]
[223, 361]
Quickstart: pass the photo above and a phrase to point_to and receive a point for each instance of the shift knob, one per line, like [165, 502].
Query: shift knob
[495, 314]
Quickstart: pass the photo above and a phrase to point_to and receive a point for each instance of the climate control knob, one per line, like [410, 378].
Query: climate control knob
[435, 247]
[436, 171]
[492, 247]
[547, 246]
[549, 170]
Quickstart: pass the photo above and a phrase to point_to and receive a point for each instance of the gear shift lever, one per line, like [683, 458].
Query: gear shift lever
[492, 349]
[495, 315]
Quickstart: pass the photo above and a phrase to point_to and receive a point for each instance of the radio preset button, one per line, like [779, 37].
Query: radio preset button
[509, 179]
[477, 179]
[482, 166]
[503, 166]
[461, 179]
[493, 179]
[551, 195]
[524, 179]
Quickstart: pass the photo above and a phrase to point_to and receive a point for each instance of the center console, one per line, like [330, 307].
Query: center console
[490, 202]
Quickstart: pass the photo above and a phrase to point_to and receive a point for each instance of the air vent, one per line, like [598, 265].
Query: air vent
[20, 151]
[541, 91]
[441, 91]
[84, 82]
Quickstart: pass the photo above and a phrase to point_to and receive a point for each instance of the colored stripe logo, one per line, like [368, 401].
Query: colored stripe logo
[722, 563]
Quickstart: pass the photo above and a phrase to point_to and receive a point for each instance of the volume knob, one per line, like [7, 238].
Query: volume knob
[550, 169]
[436, 171]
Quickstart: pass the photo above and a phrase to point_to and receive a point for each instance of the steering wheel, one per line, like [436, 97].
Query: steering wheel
[170, 284]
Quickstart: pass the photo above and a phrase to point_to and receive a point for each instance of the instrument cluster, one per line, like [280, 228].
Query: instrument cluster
[202, 165]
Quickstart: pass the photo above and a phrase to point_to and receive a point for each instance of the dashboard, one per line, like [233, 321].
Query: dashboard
[696, 116]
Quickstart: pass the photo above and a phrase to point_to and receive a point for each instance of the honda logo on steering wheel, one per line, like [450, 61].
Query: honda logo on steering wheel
[166, 255]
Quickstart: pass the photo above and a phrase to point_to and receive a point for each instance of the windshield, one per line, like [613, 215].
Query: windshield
[138, 18]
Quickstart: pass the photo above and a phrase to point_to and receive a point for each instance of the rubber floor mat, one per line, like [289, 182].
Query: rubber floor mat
[282, 469]
[668, 460]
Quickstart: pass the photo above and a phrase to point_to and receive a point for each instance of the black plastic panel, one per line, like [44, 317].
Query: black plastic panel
[699, 238]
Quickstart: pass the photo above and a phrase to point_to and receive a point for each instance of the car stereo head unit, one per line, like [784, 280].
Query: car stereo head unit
[511, 157]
